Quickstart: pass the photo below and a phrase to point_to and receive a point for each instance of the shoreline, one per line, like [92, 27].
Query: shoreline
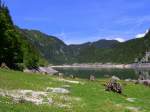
[119, 66]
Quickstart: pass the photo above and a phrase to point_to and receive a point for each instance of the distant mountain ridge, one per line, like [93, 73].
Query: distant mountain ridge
[103, 43]
[103, 51]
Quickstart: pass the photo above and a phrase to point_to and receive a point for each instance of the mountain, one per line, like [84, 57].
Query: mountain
[132, 49]
[50, 47]
[102, 51]
[57, 52]
[103, 43]
[83, 50]
[125, 52]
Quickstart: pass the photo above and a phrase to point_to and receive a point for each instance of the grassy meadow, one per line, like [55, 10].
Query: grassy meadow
[90, 95]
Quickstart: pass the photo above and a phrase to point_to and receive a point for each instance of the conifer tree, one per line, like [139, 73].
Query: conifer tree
[10, 45]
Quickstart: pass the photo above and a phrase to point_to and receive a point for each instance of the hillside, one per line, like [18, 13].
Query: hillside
[50, 47]
[57, 52]
[102, 51]
[125, 52]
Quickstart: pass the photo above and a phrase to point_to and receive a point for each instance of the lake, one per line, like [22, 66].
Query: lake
[105, 73]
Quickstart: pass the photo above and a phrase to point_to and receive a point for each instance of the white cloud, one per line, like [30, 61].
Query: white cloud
[141, 35]
[120, 39]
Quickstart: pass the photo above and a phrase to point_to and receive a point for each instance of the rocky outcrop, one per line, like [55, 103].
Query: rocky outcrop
[58, 90]
[42, 70]
[22, 96]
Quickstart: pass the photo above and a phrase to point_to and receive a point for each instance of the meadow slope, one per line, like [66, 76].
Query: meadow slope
[85, 96]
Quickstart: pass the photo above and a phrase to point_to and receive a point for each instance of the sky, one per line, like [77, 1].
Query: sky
[79, 21]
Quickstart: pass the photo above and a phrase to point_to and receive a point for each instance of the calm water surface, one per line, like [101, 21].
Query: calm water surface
[105, 73]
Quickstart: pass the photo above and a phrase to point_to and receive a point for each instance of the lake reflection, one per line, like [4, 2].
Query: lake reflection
[105, 73]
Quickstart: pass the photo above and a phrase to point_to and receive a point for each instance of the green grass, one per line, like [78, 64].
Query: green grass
[92, 97]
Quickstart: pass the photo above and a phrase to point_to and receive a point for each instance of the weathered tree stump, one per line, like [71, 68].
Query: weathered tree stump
[112, 85]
